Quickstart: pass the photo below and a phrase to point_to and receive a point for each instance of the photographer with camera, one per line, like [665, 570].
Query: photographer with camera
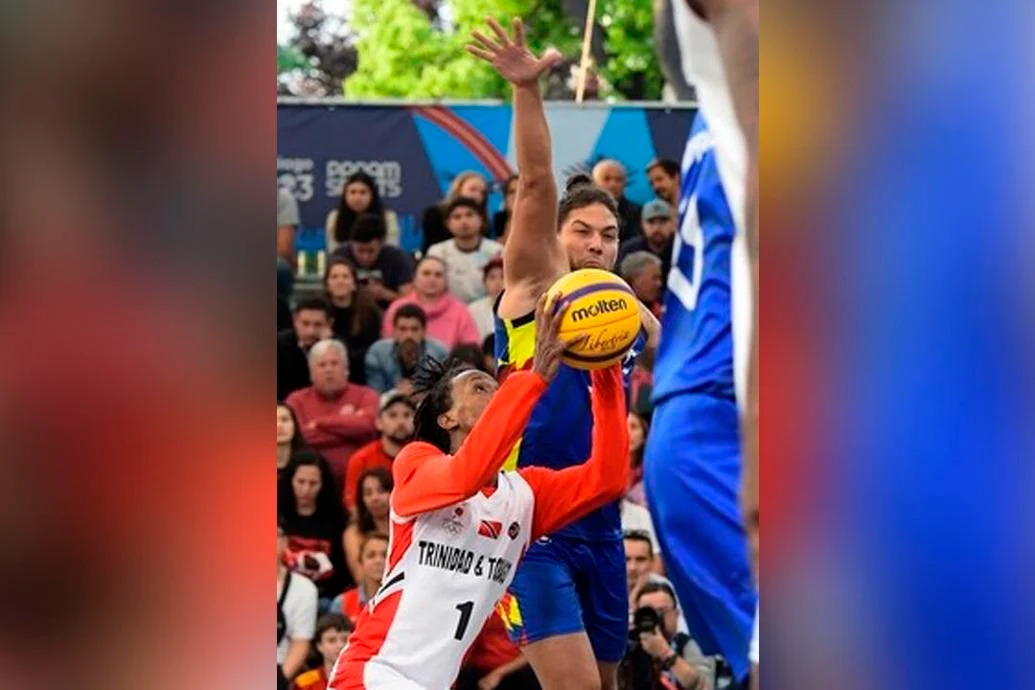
[659, 656]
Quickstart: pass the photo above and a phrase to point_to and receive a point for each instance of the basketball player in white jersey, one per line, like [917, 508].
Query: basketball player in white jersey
[459, 525]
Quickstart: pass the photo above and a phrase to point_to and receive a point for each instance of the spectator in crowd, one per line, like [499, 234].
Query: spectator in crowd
[337, 417]
[383, 271]
[359, 195]
[395, 424]
[638, 427]
[312, 321]
[314, 524]
[332, 632]
[493, 661]
[489, 353]
[467, 184]
[391, 362]
[642, 270]
[481, 309]
[289, 436]
[611, 175]
[640, 548]
[636, 519]
[664, 177]
[287, 225]
[296, 614]
[371, 515]
[448, 320]
[501, 218]
[373, 552]
[469, 353]
[665, 656]
[467, 253]
[659, 232]
[356, 318]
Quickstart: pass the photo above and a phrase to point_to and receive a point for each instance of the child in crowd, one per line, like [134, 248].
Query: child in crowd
[332, 632]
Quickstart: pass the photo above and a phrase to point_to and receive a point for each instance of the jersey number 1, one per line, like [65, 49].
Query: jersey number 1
[465, 618]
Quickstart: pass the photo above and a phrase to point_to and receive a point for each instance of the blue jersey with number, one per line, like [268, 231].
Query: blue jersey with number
[696, 350]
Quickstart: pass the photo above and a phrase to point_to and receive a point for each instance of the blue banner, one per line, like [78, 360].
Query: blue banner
[414, 151]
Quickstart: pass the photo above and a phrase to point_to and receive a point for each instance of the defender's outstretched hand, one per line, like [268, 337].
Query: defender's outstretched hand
[511, 57]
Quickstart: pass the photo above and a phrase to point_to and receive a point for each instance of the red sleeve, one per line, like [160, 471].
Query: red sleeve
[566, 495]
[427, 479]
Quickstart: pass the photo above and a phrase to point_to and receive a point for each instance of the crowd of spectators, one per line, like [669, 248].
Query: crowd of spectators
[345, 361]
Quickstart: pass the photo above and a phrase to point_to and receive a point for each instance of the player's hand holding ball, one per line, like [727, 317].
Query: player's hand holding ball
[550, 345]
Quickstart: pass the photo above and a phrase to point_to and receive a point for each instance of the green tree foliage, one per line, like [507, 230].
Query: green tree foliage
[408, 51]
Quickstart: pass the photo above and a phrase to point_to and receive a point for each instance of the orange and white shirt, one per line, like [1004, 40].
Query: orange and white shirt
[456, 540]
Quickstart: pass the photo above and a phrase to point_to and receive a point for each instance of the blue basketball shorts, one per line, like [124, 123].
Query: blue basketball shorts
[692, 478]
[566, 586]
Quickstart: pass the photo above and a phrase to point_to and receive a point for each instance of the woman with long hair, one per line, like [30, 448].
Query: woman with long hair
[359, 195]
[468, 184]
[289, 436]
[357, 318]
[309, 503]
[371, 515]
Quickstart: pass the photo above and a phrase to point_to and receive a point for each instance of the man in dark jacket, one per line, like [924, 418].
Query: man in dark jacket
[311, 322]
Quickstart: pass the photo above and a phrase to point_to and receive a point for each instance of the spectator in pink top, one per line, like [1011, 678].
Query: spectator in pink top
[336, 417]
[449, 321]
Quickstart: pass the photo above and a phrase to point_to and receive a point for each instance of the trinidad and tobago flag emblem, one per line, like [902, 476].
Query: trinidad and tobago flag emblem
[490, 529]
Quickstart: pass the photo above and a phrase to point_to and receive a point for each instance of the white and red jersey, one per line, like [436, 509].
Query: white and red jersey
[455, 541]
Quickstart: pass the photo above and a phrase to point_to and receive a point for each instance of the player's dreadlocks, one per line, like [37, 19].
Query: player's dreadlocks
[433, 387]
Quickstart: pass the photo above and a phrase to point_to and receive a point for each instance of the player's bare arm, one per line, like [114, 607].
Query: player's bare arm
[533, 257]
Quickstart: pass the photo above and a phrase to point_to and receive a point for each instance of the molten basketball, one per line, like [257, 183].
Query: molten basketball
[604, 306]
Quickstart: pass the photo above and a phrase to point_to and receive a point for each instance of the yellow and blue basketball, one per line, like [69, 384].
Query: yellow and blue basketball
[604, 306]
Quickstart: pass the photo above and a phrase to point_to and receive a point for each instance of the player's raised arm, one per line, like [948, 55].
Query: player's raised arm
[426, 476]
[533, 256]
[566, 495]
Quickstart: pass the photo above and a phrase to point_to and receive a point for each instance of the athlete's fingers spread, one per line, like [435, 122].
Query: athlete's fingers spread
[498, 30]
[485, 41]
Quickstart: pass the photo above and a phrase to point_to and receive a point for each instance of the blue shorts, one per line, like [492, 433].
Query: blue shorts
[569, 585]
[692, 478]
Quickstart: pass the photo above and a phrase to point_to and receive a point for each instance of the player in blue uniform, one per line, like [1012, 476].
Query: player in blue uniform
[568, 605]
[692, 463]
